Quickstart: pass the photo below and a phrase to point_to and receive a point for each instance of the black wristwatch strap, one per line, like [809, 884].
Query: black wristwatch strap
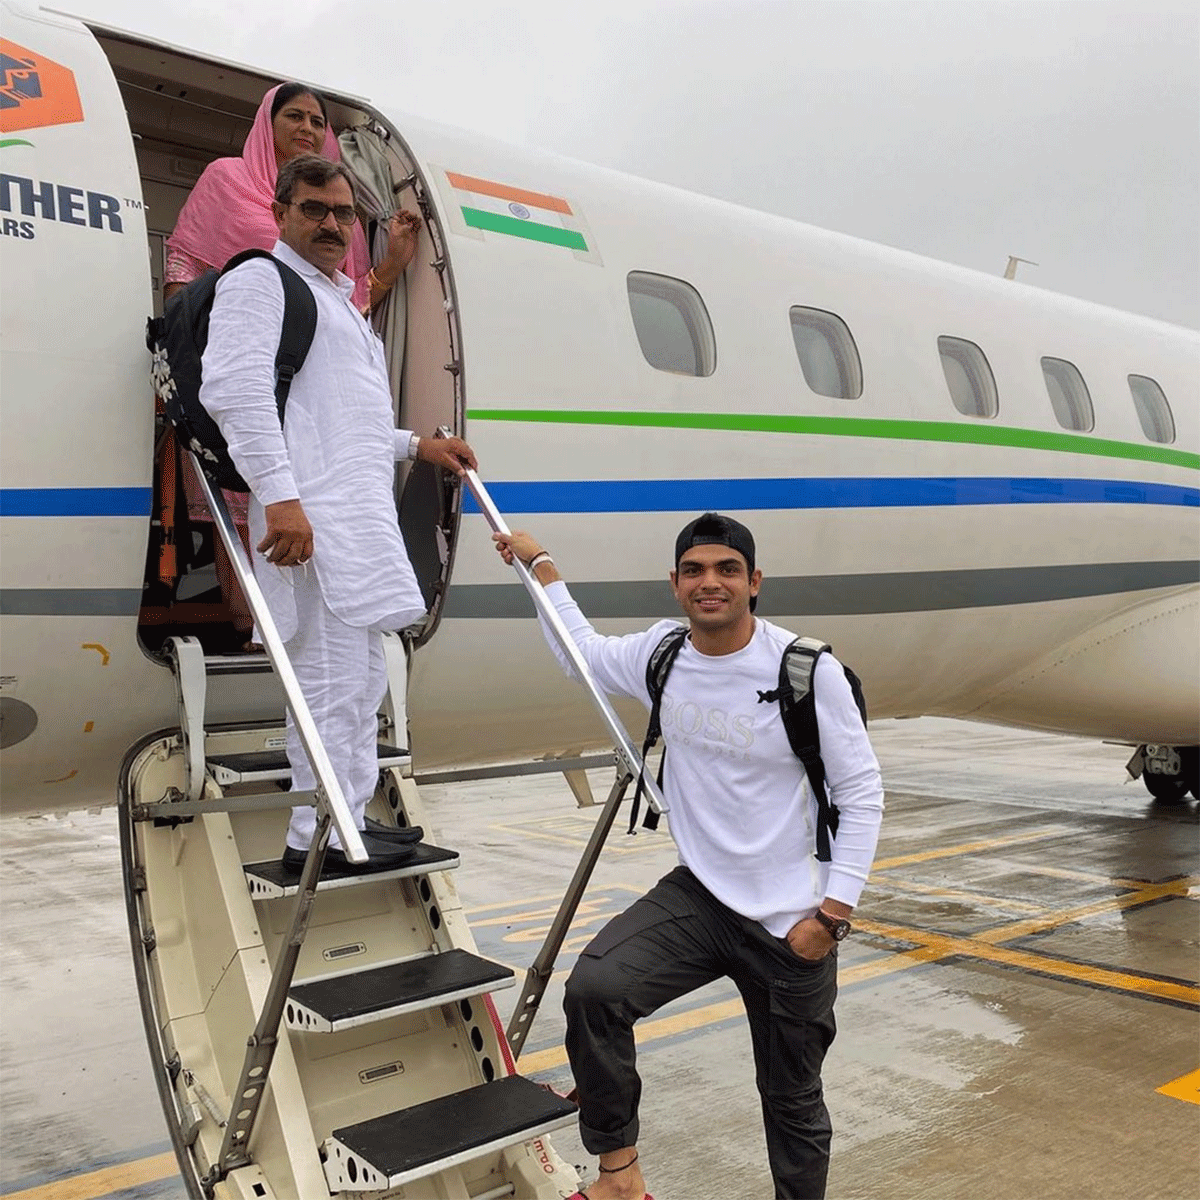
[837, 927]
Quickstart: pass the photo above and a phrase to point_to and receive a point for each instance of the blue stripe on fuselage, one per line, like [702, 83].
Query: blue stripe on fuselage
[75, 502]
[687, 495]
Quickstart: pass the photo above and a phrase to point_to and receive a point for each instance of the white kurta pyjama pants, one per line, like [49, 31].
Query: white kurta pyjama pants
[343, 677]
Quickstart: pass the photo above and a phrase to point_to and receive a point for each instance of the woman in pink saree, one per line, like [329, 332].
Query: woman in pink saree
[229, 210]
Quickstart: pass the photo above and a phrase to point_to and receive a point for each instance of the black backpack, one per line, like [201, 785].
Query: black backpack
[797, 708]
[177, 340]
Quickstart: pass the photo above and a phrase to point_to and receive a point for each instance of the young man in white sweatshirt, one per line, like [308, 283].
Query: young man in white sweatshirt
[749, 899]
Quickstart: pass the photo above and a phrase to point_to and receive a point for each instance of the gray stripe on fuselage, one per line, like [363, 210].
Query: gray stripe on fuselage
[70, 602]
[820, 595]
[845, 595]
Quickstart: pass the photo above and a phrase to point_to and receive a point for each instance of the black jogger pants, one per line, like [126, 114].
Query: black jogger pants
[673, 940]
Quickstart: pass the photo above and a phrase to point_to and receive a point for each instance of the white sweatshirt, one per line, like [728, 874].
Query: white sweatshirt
[742, 814]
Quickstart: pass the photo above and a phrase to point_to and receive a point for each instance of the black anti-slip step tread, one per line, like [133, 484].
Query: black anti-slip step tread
[424, 860]
[277, 760]
[452, 1126]
[408, 983]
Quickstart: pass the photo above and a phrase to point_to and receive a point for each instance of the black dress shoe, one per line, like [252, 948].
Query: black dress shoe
[382, 856]
[397, 835]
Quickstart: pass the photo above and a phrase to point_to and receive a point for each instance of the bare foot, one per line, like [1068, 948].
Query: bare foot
[620, 1177]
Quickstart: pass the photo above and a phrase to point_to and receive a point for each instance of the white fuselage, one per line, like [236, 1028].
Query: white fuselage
[1002, 568]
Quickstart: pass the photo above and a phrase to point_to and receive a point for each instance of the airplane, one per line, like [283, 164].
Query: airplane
[982, 494]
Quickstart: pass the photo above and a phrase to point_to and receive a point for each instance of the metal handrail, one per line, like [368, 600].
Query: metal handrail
[331, 809]
[537, 977]
[329, 791]
[626, 751]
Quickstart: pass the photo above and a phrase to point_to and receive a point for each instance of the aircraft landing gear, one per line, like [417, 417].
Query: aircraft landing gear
[1170, 772]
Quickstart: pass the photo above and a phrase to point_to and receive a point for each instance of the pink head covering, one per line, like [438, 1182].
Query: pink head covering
[229, 209]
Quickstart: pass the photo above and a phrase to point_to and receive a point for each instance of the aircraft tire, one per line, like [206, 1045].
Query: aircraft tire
[1190, 769]
[1166, 789]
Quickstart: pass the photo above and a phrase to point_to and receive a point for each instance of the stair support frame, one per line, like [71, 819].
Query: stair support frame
[537, 977]
[262, 1043]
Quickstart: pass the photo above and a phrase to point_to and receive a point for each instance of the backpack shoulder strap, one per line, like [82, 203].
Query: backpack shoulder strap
[299, 322]
[657, 669]
[659, 665]
[798, 709]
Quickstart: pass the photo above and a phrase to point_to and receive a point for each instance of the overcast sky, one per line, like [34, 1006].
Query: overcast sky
[1063, 131]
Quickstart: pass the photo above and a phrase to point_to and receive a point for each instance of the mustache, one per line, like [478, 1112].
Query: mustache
[330, 237]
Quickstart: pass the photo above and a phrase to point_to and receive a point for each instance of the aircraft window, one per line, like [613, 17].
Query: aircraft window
[827, 353]
[969, 378]
[1152, 409]
[672, 324]
[1068, 395]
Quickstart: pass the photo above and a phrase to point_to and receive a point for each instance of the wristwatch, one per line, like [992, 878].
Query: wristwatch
[837, 927]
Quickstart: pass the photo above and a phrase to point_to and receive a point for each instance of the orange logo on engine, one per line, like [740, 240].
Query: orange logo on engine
[34, 91]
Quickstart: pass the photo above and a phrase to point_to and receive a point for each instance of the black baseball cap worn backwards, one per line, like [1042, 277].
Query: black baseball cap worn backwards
[713, 529]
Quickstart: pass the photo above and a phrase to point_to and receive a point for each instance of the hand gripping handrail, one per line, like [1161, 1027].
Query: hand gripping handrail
[329, 791]
[626, 751]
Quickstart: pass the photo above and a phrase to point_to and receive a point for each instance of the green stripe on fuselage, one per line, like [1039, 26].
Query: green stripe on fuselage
[908, 431]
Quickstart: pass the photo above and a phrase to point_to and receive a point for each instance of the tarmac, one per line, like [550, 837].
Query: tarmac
[1017, 1013]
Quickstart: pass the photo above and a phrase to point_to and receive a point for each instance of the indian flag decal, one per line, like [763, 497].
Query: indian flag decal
[479, 207]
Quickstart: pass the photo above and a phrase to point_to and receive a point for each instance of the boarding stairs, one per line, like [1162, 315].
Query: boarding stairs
[333, 1032]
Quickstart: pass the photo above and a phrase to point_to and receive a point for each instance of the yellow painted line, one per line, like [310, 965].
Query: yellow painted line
[1074, 972]
[583, 930]
[554, 898]
[104, 655]
[644, 1031]
[942, 893]
[1186, 1087]
[709, 1014]
[588, 910]
[549, 898]
[903, 860]
[933, 948]
[102, 1183]
[574, 843]
[929, 948]
[1082, 876]
[1052, 920]
[900, 961]
[577, 841]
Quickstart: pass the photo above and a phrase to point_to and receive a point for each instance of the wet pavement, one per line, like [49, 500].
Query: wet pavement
[1017, 1018]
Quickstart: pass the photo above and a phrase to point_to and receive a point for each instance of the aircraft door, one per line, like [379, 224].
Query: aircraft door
[419, 325]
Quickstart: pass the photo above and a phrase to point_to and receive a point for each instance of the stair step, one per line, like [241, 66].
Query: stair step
[391, 1150]
[174, 810]
[271, 880]
[343, 1001]
[237, 664]
[262, 766]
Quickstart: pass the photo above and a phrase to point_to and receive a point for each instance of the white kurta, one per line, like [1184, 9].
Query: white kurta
[336, 452]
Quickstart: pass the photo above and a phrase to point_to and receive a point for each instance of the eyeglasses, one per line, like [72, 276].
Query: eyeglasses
[314, 210]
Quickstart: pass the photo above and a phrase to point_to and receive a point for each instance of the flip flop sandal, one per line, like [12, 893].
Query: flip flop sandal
[584, 1196]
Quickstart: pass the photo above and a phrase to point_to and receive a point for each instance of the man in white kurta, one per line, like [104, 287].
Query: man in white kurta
[322, 510]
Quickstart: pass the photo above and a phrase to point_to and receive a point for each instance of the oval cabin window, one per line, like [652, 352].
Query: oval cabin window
[1152, 409]
[672, 324]
[969, 377]
[827, 353]
[1069, 396]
